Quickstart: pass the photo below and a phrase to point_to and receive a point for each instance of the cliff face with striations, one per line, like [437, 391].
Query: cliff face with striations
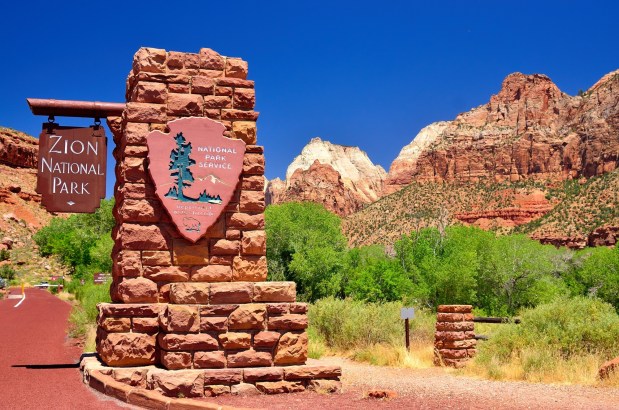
[18, 149]
[530, 129]
[343, 179]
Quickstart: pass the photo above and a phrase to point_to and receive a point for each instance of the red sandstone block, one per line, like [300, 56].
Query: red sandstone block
[248, 316]
[223, 376]
[175, 60]
[279, 387]
[227, 91]
[139, 210]
[179, 88]
[137, 290]
[275, 292]
[278, 308]
[186, 254]
[453, 353]
[202, 85]
[144, 112]
[225, 293]
[131, 169]
[249, 269]
[236, 68]
[235, 340]
[450, 335]
[181, 318]
[167, 273]
[136, 191]
[213, 113]
[455, 344]
[193, 404]
[298, 308]
[233, 234]
[312, 372]
[145, 325]
[130, 310]
[233, 115]
[449, 317]
[291, 349]
[233, 82]
[225, 247]
[455, 326]
[252, 183]
[135, 151]
[245, 221]
[147, 237]
[175, 360]
[254, 243]
[214, 324]
[192, 61]
[244, 98]
[149, 60]
[249, 358]
[288, 322]
[185, 104]
[217, 310]
[454, 308]
[186, 383]
[263, 374]
[168, 78]
[115, 324]
[251, 201]
[253, 164]
[116, 389]
[211, 273]
[209, 360]
[177, 342]
[189, 293]
[266, 339]
[126, 349]
[156, 258]
[211, 60]
[164, 292]
[147, 92]
[129, 263]
[96, 380]
[221, 260]
[254, 149]
[214, 101]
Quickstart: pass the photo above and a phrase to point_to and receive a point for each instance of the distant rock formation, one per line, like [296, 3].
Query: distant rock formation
[341, 178]
[530, 129]
[18, 149]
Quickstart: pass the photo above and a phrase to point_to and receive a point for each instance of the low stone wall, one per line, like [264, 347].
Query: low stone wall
[155, 384]
[454, 340]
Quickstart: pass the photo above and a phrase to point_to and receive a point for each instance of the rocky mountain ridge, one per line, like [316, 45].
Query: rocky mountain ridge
[341, 178]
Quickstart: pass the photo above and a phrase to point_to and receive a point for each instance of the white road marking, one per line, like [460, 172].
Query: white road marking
[22, 299]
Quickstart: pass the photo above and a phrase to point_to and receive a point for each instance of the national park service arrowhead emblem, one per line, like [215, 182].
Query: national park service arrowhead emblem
[195, 170]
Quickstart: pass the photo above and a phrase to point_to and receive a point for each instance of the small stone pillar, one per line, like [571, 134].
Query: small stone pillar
[454, 340]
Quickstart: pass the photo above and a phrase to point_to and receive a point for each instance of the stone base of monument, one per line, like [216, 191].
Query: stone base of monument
[153, 387]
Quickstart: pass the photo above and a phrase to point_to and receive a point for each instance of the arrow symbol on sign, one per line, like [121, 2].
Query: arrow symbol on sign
[71, 203]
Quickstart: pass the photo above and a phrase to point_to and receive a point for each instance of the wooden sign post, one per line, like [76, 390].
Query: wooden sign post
[406, 314]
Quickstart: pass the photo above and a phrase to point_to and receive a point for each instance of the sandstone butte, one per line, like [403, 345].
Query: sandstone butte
[343, 179]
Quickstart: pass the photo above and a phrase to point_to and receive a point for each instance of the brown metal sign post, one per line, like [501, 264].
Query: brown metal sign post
[72, 160]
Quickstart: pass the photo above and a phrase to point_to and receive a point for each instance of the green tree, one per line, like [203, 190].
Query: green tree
[305, 244]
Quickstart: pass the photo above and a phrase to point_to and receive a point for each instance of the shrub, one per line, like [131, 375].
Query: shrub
[562, 334]
[4, 255]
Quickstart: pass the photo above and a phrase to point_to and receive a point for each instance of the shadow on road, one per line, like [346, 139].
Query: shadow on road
[49, 366]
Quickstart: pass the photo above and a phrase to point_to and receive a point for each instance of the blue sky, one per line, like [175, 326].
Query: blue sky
[369, 74]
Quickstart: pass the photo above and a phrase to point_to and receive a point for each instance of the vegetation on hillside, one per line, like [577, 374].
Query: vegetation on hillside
[579, 208]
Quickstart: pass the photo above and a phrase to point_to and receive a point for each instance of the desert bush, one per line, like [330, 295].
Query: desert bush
[349, 324]
[552, 338]
[84, 314]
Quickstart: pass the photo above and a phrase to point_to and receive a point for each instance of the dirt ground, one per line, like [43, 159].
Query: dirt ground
[432, 389]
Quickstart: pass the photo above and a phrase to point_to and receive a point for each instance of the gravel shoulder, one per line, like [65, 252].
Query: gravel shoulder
[433, 389]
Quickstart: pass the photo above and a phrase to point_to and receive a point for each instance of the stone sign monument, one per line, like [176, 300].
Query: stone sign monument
[189, 284]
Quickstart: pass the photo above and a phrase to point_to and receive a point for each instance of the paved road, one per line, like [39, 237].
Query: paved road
[35, 360]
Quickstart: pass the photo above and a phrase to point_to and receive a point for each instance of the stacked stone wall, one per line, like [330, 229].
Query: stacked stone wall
[454, 339]
[203, 305]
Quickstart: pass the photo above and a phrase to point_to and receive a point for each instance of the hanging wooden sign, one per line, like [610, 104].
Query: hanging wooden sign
[195, 170]
[71, 170]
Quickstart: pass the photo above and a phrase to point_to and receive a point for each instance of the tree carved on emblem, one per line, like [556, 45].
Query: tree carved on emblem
[179, 165]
